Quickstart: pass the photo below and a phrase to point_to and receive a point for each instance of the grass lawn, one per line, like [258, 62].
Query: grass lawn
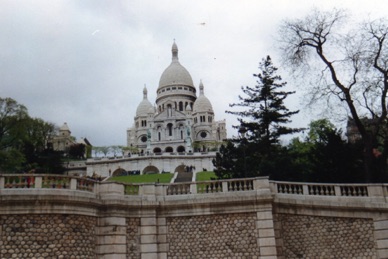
[161, 178]
[205, 176]
[146, 178]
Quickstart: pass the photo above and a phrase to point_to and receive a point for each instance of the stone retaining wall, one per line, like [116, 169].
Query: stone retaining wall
[213, 236]
[47, 236]
[240, 219]
[326, 237]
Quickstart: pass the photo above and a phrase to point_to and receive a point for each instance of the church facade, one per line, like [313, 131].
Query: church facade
[179, 121]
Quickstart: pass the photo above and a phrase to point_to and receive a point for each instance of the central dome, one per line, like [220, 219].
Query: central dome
[175, 73]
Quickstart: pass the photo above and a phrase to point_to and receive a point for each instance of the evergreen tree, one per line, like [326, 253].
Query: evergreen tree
[262, 122]
[266, 114]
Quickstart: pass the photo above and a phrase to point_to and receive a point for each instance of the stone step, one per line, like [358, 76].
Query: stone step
[183, 177]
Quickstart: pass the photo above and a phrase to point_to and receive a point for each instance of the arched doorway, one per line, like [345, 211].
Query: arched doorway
[119, 172]
[181, 149]
[151, 170]
[180, 169]
[169, 149]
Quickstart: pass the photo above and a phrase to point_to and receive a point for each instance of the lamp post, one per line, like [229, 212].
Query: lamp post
[242, 130]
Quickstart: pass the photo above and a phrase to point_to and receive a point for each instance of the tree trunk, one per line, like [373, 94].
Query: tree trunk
[368, 161]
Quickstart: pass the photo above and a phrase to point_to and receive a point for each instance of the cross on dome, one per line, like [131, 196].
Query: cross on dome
[174, 50]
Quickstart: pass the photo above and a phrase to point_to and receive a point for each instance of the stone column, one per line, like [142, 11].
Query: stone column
[163, 246]
[153, 230]
[148, 238]
[153, 239]
[111, 230]
[111, 238]
[381, 237]
[265, 228]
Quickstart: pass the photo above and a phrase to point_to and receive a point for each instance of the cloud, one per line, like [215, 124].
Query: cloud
[86, 62]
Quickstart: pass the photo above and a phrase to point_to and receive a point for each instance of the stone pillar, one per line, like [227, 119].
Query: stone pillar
[153, 239]
[153, 230]
[148, 238]
[265, 228]
[163, 245]
[111, 238]
[381, 237]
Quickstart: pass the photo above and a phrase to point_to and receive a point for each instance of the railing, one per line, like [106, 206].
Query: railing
[34, 181]
[19, 181]
[209, 187]
[240, 185]
[178, 188]
[234, 185]
[40, 181]
[315, 189]
[56, 182]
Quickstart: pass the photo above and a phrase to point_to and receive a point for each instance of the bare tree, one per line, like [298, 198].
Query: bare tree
[351, 64]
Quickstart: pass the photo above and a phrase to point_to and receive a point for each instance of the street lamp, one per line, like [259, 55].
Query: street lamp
[242, 130]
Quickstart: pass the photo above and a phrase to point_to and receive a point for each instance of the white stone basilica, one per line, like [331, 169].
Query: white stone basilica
[180, 122]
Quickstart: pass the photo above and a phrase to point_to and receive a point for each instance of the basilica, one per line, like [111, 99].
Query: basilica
[181, 120]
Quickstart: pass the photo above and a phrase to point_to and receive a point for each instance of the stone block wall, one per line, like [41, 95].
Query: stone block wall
[213, 236]
[303, 236]
[47, 236]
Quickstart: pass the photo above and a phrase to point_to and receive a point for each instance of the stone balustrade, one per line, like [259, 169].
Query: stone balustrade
[58, 216]
[32, 181]
[25, 181]
[340, 190]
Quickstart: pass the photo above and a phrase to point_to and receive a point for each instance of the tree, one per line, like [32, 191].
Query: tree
[116, 150]
[262, 122]
[224, 163]
[12, 116]
[38, 132]
[77, 151]
[104, 150]
[352, 67]
[266, 116]
[23, 140]
[325, 156]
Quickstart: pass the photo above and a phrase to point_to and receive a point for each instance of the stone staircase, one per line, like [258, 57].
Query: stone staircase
[183, 177]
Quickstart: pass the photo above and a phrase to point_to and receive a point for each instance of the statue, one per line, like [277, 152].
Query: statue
[188, 139]
[148, 141]
[148, 134]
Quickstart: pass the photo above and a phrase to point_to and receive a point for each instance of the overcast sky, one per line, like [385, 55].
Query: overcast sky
[85, 62]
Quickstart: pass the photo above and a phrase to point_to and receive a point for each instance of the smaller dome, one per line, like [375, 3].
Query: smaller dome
[64, 127]
[202, 104]
[145, 106]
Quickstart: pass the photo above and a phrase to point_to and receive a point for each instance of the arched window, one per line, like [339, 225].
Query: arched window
[159, 138]
[169, 128]
[181, 149]
[181, 106]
